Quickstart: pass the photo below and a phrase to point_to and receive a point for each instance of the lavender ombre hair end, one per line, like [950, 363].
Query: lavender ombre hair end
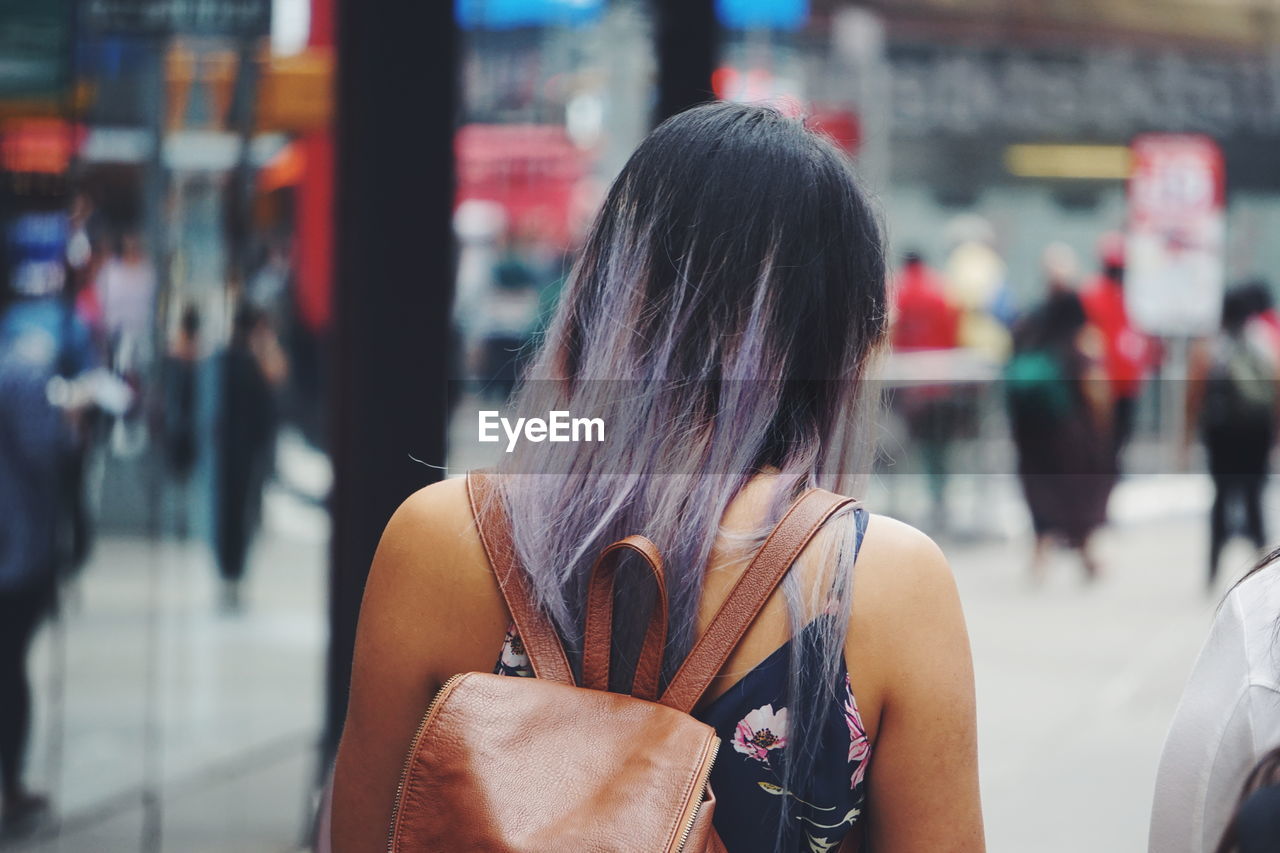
[720, 320]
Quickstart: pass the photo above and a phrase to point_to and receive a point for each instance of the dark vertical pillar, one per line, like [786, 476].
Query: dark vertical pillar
[687, 47]
[396, 96]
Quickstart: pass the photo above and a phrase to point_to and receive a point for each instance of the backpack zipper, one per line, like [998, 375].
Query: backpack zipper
[706, 783]
[408, 760]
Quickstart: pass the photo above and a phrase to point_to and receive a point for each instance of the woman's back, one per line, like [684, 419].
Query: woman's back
[433, 608]
[719, 322]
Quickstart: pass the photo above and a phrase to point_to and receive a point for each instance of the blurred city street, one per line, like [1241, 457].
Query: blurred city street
[1076, 682]
[264, 264]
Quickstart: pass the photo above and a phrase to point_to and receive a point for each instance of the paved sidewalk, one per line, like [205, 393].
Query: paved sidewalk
[177, 711]
[1077, 683]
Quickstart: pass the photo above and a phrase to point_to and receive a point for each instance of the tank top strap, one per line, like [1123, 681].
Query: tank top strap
[797, 527]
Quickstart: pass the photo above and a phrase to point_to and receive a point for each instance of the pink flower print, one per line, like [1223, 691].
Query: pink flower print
[760, 732]
[859, 746]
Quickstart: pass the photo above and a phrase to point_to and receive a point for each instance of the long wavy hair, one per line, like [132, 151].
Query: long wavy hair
[719, 320]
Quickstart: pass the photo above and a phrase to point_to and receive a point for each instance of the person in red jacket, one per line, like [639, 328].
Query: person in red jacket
[924, 319]
[1127, 353]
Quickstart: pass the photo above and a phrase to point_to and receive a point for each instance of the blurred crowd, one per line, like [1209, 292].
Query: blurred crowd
[1072, 368]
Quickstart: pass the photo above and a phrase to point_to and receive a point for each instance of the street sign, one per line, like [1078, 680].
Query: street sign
[196, 17]
[510, 14]
[1174, 246]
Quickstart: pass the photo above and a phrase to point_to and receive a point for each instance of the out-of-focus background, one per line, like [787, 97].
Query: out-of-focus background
[263, 257]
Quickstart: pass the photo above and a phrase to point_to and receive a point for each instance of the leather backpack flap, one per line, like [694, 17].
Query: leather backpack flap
[515, 765]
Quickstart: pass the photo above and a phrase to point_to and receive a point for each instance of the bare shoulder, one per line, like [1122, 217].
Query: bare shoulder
[430, 536]
[906, 608]
[909, 653]
[899, 568]
[430, 583]
[899, 560]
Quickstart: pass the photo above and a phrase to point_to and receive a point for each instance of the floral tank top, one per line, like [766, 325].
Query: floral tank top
[751, 719]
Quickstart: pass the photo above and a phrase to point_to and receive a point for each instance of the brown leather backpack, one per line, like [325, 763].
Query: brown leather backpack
[533, 765]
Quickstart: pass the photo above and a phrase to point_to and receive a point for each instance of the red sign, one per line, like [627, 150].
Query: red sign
[533, 171]
[38, 145]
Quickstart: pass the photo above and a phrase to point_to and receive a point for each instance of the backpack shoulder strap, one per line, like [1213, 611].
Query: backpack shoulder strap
[546, 653]
[788, 538]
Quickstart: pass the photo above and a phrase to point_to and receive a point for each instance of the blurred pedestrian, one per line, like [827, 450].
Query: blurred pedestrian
[1264, 319]
[179, 416]
[30, 453]
[924, 319]
[249, 371]
[1059, 407]
[1232, 398]
[126, 286]
[1061, 267]
[126, 294]
[978, 284]
[40, 337]
[1127, 353]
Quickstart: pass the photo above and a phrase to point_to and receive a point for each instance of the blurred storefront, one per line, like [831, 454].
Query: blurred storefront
[192, 141]
[1018, 115]
[1022, 113]
[554, 97]
[179, 158]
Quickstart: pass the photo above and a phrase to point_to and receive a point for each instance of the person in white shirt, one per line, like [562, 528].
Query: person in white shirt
[126, 290]
[1227, 720]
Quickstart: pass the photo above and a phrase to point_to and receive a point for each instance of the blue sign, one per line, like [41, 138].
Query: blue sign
[37, 252]
[510, 14]
[762, 14]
